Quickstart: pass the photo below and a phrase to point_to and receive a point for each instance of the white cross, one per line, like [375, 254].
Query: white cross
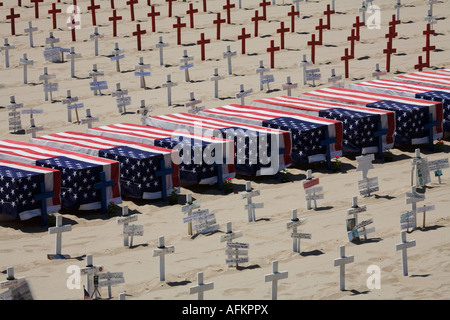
[201, 287]
[229, 54]
[186, 65]
[289, 86]
[6, 47]
[261, 69]
[90, 271]
[250, 207]
[30, 30]
[25, 63]
[161, 45]
[140, 71]
[397, 6]
[355, 209]
[303, 64]
[124, 220]
[341, 262]
[403, 247]
[58, 230]
[293, 224]
[72, 56]
[45, 77]
[94, 74]
[274, 277]
[188, 207]
[216, 77]
[144, 111]
[33, 129]
[95, 36]
[160, 252]
[412, 198]
[311, 190]
[117, 55]
[111, 278]
[363, 10]
[12, 283]
[89, 119]
[15, 122]
[365, 164]
[169, 84]
[192, 102]
[121, 100]
[69, 100]
[334, 80]
[419, 170]
[229, 237]
[377, 73]
[242, 93]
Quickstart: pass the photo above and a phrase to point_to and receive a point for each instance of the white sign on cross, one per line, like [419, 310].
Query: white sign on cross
[117, 56]
[229, 54]
[425, 209]
[90, 271]
[97, 86]
[188, 207]
[89, 119]
[412, 198]
[69, 100]
[292, 225]
[161, 252]
[250, 207]
[334, 80]
[129, 231]
[14, 120]
[341, 262]
[72, 56]
[58, 230]
[403, 246]
[366, 185]
[169, 84]
[201, 287]
[397, 6]
[48, 88]
[144, 111]
[110, 279]
[377, 73]
[25, 63]
[313, 75]
[261, 69]
[419, 170]
[243, 93]
[274, 277]
[311, 189]
[186, 65]
[229, 237]
[304, 64]
[121, 99]
[161, 45]
[139, 71]
[362, 225]
[192, 101]
[437, 166]
[17, 288]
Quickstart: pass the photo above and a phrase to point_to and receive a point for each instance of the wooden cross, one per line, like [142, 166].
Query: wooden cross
[264, 5]
[282, 30]
[140, 71]
[292, 225]
[201, 287]
[72, 56]
[394, 22]
[274, 277]
[261, 69]
[303, 64]
[377, 73]
[328, 13]
[229, 236]
[72, 25]
[242, 37]
[229, 54]
[428, 32]
[341, 262]
[216, 77]
[192, 101]
[95, 36]
[91, 271]
[178, 26]
[357, 25]
[420, 65]
[14, 120]
[397, 6]
[228, 7]
[218, 22]
[102, 185]
[112, 5]
[363, 10]
[92, 8]
[250, 207]
[202, 42]
[161, 252]
[58, 230]
[403, 246]
[320, 27]
[30, 31]
[6, 47]
[352, 38]
[388, 51]
[243, 93]
[272, 49]
[114, 20]
[94, 85]
[191, 11]
[122, 100]
[204, 6]
[45, 77]
[12, 17]
[187, 209]
[186, 66]
[297, 6]
[117, 56]
[138, 33]
[313, 44]
[36, 7]
[89, 119]
[53, 12]
[293, 14]
[334, 80]
[69, 100]
[170, 7]
[255, 19]
[169, 84]
[346, 58]
[289, 86]
[131, 4]
[153, 14]
[161, 45]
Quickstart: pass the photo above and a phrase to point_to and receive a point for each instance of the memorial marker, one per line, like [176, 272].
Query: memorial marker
[6, 47]
[366, 185]
[232, 250]
[161, 45]
[58, 230]
[282, 30]
[131, 4]
[30, 31]
[161, 252]
[229, 54]
[144, 111]
[293, 224]
[313, 75]
[178, 26]
[114, 20]
[153, 14]
[14, 120]
[192, 101]
[250, 207]
[264, 5]
[357, 25]
[170, 7]
[341, 262]
[403, 246]
[216, 78]
[334, 80]
[186, 66]
[424, 210]
[303, 64]
[261, 69]
[242, 37]
[420, 171]
[437, 166]
[346, 57]
[95, 85]
[218, 22]
[17, 288]
[311, 188]
[363, 10]
[202, 221]
[292, 14]
[289, 86]
[117, 56]
[169, 84]
[91, 271]
[243, 93]
[274, 277]
[328, 13]
[121, 99]
[397, 6]
[202, 42]
[187, 209]
[313, 44]
[139, 71]
[256, 19]
[352, 39]
[138, 34]
[110, 279]
[72, 56]
[48, 87]
[320, 27]
[377, 73]
[428, 47]
[53, 12]
[191, 11]
[25, 63]
[89, 119]
[72, 25]
[95, 36]
[412, 198]
[201, 287]
[228, 7]
[92, 8]
[69, 100]
[12, 17]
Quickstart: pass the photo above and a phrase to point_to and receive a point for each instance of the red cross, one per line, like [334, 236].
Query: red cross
[264, 5]
[282, 31]
[202, 42]
[72, 25]
[392, 34]
[292, 14]
[352, 38]
[138, 34]
[153, 14]
[428, 47]
[170, 6]
[320, 27]
[131, 3]
[272, 49]
[191, 12]
[204, 6]
[255, 19]
[114, 19]
[242, 37]
[328, 13]
[357, 25]
[394, 22]
[178, 26]
[388, 51]
[228, 7]
[92, 8]
[346, 58]
[53, 12]
[313, 44]
[218, 21]
[13, 18]
[420, 65]
[36, 7]
[112, 4]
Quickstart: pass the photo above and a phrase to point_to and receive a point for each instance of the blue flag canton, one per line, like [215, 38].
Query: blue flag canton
[444, 98]
[77, 180]
[137, 169]
[17, 190]
[358, 128]
[306, 137]
[192, 167]
[409, 119]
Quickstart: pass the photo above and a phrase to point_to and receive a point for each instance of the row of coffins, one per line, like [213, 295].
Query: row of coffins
[85, 171]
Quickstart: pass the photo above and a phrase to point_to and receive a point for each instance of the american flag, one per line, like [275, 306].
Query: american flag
[252, 144]
[411, 114]
[444, 71]
[190, 148]
[79, 172]
[19, 183]
[306, 131]
[411, 90]
[139, 163]
[426, 77]
[359, 123]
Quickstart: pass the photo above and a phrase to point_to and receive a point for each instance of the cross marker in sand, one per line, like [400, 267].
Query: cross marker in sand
[178, 26]
[30, 31]
[320, 27]
[192, 103]
[191, 11]
[161, 252]
[282, 30]
[420, 64]
[161, 45]
[138, 34]
[131, 4]
[292, 225]
[6, 47]
[202, 42]
[218, 22]
[33, 129]
[229, 236]
[144, 111]
[69, 100]
[53, 12]
[346, 57]
[121, 99]
[341, 262]
[36, 7]
[114, 20]
[229, 54]
[264, 5]
[129, 231]
[216, 77]
[58, 230]
[72, 25]
[48, 88]
[292, 14]
[12, 17]
[117, 56]
[25, 63]
[186, 65]
[328, 13]
[89, 119]
[352, 38]
[256, 19]
[95, 36]
[243, 93]
[201, 287]
[97, 86]
[139, 71]
[403, 246]
[313, 43]
[170, 7]
[250, 206]
[334, 79]
[377, 73]
[153, 14]
[92, 8]
[363, 10]
[72, 56]
[274, 277]
[304, 64]
[261, 70]
[289, 86]
[91, 271]
[428, 32]
[388, 51]
[397, 6]
[187, 209]
[242, 37]
[169, 84]
[14, 120]
[228, 8]
[357, 25]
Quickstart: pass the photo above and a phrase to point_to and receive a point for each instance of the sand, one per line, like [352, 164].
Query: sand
[25, 245]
